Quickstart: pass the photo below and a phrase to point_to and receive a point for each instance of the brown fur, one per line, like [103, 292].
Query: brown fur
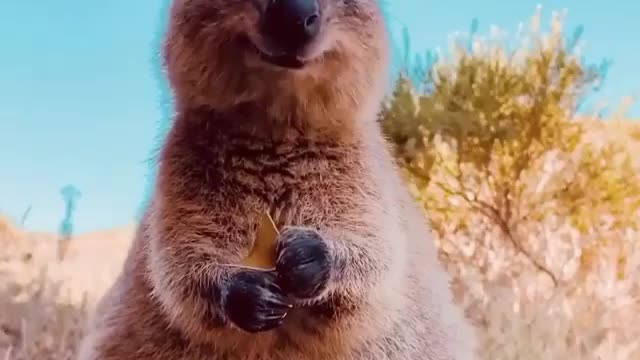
[303, 144]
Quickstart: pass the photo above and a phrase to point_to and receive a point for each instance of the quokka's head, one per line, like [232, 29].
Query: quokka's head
[222, 52]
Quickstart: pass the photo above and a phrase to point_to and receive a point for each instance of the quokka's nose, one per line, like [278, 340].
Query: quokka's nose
[292, 23]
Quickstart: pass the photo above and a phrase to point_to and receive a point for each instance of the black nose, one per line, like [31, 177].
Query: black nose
[291, 24]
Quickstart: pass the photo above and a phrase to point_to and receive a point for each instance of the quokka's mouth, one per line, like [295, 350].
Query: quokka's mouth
[282, 60]
[285, 61]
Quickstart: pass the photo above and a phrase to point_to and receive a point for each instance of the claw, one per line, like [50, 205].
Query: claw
[255, 302]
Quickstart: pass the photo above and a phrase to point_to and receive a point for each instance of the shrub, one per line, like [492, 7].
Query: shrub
[517, 186]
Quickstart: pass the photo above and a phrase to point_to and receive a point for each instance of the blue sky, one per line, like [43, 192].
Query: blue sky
[80, 104]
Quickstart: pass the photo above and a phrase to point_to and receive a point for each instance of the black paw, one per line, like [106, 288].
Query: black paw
[304, 264]
[254, 302]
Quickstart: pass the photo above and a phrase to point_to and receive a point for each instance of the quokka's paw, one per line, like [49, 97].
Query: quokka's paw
[253, 301]
[303, 263]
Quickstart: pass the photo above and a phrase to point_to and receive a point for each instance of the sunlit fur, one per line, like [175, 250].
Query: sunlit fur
[210, 64]
[249, 137]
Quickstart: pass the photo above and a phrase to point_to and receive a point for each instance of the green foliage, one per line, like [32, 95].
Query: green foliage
[496, 133]
[406, 124]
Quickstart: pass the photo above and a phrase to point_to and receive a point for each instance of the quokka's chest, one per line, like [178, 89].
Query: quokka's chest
[287, 172]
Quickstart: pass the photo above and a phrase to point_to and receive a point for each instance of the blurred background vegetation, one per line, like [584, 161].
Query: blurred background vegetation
[534, 200]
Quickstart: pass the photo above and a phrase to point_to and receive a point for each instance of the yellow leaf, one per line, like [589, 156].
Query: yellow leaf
[263, 253]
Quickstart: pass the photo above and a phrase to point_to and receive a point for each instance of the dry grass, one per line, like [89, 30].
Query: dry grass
[627, 131]
[44, 303]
